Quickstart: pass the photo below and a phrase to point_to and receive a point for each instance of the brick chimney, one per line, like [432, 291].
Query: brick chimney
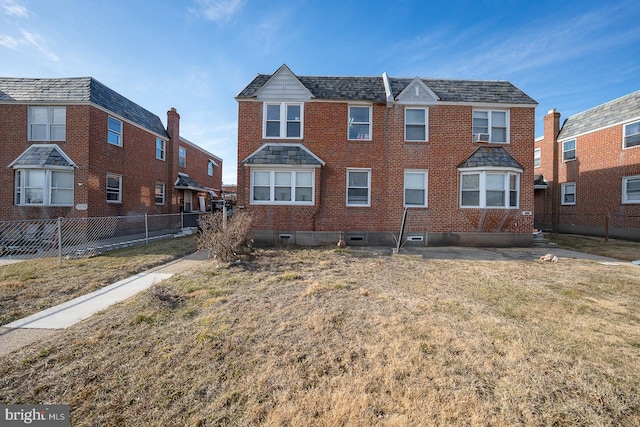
[173, 124]
[552, 125]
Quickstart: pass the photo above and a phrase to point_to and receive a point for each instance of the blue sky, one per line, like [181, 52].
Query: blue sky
[197, 55]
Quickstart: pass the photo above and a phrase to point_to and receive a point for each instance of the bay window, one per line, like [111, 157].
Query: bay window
[43, 187]
[282, 186]
[492, 189]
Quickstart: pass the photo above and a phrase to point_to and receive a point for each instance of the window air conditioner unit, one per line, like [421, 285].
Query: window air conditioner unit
[480, 137]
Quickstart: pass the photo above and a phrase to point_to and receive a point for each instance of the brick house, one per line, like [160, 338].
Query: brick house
[589, 171]
[72, 147]
[321, 157]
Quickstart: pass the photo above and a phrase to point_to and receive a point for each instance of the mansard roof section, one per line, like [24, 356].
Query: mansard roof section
[490, 157]
[283, 85]
[43, 156]
[417, 92]
[283, 154]
[78, 90]
[603, 116]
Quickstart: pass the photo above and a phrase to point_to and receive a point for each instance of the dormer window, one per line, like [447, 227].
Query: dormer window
[283, 120]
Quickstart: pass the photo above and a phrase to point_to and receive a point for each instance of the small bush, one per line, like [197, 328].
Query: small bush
[226, 243]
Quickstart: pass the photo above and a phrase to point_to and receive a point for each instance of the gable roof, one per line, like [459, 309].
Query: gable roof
[490, 157]
[42, 155]
[78, 90]
[373, 89]
[185, 182]
[283, 154]
[605, 115]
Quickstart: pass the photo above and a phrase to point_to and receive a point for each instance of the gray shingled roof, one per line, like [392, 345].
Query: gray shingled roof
[78, 90]
[490, 157]
[184, 182]
[604, 115]
[42, 155]
[372, 89]
[282, 154]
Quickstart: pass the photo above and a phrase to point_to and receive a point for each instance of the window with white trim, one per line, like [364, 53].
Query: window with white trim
[632, 134]
[114, 135]
[537, 156]
[360, 122]
[44, 187]
[491, 126]
[415, 188]
[182, 157]
[358, 187]
[415, 124]
[569, 150]
[282, 187]
[159, 193]
[210, 168]
[490, 189]
[47, 123]
[568, 190]
[631, 189]
[114, 188]
[161, 147]
[283, 120]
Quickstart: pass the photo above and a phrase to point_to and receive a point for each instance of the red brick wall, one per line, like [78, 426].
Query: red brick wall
[387, 155]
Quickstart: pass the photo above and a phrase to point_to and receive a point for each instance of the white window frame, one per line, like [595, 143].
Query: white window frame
[425, 183]
[20, 189]
[625, 189]
[489, 129]
[425, 124]
[283, 120]
[210, 166]
[113, 133]
[635, 136]
[508, 175]
[537, 157]
[161, 149]
[295, 183]
[565, 188]
[50, 123]
[182, 157]
[565, 150]
[351, 122]
[368, 187]
[114, 190]
[159, 195]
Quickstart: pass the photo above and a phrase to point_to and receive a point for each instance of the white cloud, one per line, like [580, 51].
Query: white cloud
[27, 39]
[219, 10]
[8, 41]
[11, 8]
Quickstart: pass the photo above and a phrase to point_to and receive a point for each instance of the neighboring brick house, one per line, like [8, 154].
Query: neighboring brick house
[72, 147]
[320, 157]
[591, 169]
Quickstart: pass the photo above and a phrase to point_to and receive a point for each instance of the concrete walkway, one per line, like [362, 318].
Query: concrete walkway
[21, 332]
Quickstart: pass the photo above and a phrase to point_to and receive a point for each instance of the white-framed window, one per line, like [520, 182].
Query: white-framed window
[210, 168]
[631, 189]
[569, 150]
[490, 189]
[568, 190]
[161, 148]
[416, 122]
[360, 122]
[47, 123]
[44, 187]
[114, 135]
[282, 186]
[632, 134]
[537, 156]
[491, 126]
[358, 187]
[159, 193]
[182, 157]
[283, 120]
[114, 188]
[415, 188]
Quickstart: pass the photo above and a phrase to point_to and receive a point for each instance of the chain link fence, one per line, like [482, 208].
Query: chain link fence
[68, 238]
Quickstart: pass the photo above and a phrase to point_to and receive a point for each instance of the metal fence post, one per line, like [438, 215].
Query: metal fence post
[146, 229]
[60, 240]
[182, 220]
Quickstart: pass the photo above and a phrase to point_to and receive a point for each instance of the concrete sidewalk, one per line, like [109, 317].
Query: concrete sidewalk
[39, 325]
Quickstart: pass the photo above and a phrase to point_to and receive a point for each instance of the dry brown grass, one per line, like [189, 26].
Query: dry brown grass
[614, 248]
[34, 285]
[352, 337]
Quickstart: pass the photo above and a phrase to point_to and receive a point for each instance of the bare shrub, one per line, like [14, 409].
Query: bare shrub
[225, 242]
